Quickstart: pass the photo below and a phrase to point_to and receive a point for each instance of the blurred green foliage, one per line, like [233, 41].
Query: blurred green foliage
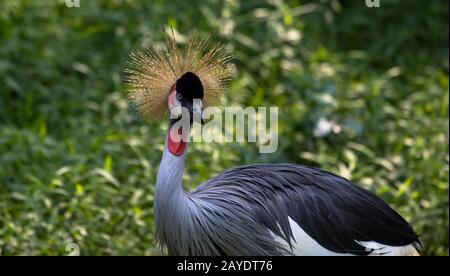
[78, 165]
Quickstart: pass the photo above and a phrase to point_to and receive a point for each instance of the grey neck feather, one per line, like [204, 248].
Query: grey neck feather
[170, 201]
[170, 174]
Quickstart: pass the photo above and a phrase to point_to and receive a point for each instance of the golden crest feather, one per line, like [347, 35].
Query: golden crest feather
[154, 70]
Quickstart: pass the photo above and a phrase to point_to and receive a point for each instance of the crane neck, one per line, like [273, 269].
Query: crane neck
[169, 189]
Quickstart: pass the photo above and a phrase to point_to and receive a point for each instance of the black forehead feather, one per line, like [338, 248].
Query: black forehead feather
[190, 86]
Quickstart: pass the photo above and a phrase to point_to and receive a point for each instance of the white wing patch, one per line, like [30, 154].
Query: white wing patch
[304, 245]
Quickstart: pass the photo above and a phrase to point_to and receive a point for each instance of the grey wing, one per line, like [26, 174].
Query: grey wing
[336, 213]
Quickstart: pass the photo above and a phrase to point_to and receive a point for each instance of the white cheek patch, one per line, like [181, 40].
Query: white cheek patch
[197, 106]
[174, 105]
[197, 109]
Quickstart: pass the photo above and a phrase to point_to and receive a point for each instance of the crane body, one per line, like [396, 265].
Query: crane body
[274, 209]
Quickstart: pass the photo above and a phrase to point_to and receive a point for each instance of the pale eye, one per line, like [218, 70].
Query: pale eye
[179, 97]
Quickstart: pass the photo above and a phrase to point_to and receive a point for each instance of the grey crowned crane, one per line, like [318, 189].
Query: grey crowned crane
[256, 210]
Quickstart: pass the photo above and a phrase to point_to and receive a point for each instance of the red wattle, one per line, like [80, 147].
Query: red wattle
[176, 148]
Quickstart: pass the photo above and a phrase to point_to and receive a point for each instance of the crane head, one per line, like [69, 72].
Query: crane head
[186, 93]
[199, 72]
